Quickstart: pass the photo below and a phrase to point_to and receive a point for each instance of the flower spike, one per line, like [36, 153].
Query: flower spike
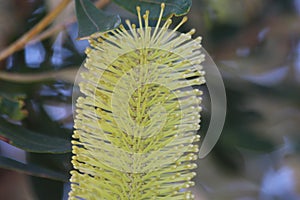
[136, 125]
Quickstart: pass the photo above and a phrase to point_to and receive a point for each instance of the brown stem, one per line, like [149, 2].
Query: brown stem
[21, 42]
[67, 75]
[52, 30]
[101, 3]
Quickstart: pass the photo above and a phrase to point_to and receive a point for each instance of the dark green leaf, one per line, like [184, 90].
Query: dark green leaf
[176, 7]
[56, 162]
[92, 20]
[31, 141]
[53, 189]
[31, 169]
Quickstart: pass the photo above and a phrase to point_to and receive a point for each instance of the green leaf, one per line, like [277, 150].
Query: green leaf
[176, 7]
[53, 189]
[12, 106]
[92, 20]
[31, 141]
[30, 169]
[55, 162]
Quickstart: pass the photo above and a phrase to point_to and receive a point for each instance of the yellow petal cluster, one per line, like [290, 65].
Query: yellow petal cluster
[136, 125]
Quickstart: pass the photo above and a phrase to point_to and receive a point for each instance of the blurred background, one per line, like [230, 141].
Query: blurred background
[254, 43]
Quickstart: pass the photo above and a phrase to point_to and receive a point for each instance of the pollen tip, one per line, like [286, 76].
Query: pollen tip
[162, 5]
[184, 19]
[138, 9]
[192, 31]
[145, 16]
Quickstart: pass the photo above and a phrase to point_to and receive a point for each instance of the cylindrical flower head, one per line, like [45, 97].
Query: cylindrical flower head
[136, 125]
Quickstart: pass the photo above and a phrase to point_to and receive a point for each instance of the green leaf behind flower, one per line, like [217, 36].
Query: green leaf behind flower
[11, 106]
[175, 7]
[31, 141]
[31, 169]
[92, 20]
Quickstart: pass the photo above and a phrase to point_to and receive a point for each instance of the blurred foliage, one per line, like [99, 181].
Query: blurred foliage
[233, 12]
[31, 169]
[256, 45]
[31, 141]
[12, 107]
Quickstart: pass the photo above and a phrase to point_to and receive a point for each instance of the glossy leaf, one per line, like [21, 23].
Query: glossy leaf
[92, 20]
[30, 169]
[31, 141]
[176, 7]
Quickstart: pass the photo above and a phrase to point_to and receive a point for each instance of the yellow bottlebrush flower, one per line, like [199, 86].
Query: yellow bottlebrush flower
[136, 125]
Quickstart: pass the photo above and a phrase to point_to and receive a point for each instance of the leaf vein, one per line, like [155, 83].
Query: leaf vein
[87, 14]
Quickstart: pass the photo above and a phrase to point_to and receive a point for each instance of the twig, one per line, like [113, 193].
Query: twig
[101, 3]
[54, 29]
[21, 42]
[67, 75]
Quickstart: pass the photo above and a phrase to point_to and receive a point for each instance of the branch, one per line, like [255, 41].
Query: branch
[21, 42]
[54, 29]
[67, 75]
